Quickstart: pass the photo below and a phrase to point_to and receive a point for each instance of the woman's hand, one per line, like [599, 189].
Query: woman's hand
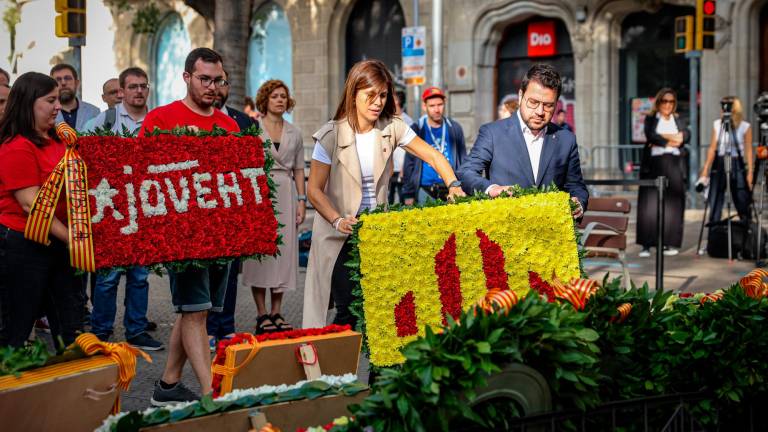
[344, 224]
[301, 212]
[455, 192]
[750, 177]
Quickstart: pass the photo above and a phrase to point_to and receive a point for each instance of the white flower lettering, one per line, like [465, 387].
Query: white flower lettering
[201, 191]
[149, 209]
[225, 190]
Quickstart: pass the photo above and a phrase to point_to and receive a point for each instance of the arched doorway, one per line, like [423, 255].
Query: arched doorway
[536, 40]
[270, 48]
[172, 45]
[647, 62]
[373, 31]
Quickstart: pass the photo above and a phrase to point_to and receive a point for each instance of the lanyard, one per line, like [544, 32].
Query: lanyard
[439, 145]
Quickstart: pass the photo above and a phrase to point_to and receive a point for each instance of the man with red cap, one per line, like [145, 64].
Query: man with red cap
[420, 181]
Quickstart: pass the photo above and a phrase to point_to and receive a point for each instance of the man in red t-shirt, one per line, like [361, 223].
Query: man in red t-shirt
[194, 291]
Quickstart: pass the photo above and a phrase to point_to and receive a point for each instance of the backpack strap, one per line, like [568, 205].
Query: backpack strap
[110, 118]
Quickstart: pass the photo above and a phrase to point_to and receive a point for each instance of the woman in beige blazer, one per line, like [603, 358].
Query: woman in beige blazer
[350, 170]
[279, 274]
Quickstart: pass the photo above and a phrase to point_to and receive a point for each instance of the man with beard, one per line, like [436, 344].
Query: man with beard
[223, 323]
[4, 91]
[194, 291]
[75, 112]
[527, 149]
[127, 115]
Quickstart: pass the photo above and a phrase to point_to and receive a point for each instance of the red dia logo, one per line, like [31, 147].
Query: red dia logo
[449, 282]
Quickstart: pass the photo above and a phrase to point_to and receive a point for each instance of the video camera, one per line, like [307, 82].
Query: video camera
[761, 107]
[726, 105]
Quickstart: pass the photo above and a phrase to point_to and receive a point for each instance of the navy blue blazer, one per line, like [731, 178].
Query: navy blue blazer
[500, 152]
[242, 119]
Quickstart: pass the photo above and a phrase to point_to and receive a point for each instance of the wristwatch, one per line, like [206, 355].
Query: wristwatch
[301, 198]
[455, 183]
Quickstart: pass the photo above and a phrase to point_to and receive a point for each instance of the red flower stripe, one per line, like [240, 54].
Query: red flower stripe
[540, 286]
[405, 316]
[448, 279]
[247, 338]
[493, 263]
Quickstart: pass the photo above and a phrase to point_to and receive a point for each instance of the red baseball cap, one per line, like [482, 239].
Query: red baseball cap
[431, 92]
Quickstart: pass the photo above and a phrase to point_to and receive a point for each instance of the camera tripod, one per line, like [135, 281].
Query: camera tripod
[760, 189]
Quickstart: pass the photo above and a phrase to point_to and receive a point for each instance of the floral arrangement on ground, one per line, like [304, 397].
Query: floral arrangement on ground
[346, 385]
[416, 267]
[595, 345]
[158, 209]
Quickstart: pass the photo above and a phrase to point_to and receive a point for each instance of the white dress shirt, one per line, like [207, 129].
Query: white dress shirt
[665, 126]
[534, 142]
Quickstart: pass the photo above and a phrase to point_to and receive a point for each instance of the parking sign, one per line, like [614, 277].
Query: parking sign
[414, 55]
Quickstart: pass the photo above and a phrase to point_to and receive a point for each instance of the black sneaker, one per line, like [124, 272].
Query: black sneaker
[151, 326]
[178, 393]
[146, 342]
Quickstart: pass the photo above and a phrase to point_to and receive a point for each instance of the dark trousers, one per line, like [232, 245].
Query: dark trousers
[672, 167]
[341, 287]
[740, 193]
[395, 187]
[222, 323]
[37, 280]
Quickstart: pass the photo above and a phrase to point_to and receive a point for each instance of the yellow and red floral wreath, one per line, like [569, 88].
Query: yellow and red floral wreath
[419, 266]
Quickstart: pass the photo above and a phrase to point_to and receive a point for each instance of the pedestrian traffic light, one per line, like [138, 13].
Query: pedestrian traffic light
[70, 21]
[705, 24]
[684, 34]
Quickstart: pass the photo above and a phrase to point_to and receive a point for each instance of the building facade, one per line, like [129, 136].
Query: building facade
[613, 54]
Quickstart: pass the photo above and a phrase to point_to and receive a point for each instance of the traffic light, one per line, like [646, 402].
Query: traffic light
[684, 34]
[70, 21]
[705, 24]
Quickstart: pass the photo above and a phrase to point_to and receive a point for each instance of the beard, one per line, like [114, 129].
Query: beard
[66, 96]
[198, 99]
[220, 101]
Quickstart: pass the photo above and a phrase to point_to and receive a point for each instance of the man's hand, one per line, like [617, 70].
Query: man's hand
[496, 190]
[408, 201]
[579, 210]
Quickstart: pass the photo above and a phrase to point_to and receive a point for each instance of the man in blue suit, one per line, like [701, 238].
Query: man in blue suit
[526, 149]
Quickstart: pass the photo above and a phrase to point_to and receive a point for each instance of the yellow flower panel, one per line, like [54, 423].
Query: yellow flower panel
[398, 253]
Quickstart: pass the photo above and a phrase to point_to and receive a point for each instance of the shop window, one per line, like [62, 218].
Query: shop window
[270, 49]
[171, 48]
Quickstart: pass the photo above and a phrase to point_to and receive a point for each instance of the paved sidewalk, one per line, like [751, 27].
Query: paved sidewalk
[685, 272]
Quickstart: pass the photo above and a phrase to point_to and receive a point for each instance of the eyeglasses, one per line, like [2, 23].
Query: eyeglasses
[206, 81]
[134, 87]
[534, 104]
[667, 101]
[65, 78]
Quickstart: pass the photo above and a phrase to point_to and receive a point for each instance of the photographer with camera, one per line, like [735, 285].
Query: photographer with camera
[742, 164]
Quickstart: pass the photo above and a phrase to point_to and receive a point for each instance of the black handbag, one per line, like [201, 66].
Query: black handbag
[743, 240]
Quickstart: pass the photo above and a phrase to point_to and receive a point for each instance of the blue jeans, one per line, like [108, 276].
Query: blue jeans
[136, 298]
[222, 323]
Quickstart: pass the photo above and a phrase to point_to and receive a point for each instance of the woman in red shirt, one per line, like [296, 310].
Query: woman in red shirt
[34, 279]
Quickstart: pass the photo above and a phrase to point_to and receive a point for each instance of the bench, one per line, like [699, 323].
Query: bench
[604, 231]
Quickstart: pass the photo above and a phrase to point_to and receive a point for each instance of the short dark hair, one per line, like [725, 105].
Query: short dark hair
[7, 75]
[19, 117]
[544, 74]
[131, 71]
[205, 54]
[62, 66]
[400, 95]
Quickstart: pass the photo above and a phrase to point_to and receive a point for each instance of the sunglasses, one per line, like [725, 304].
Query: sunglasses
[667, 101]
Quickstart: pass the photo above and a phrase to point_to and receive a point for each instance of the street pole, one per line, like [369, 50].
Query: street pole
[416, 88]
[77, 43]
[437, 43]
[693, 170]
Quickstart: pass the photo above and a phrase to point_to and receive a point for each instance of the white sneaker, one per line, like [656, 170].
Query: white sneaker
[645, 253]
[671, 251]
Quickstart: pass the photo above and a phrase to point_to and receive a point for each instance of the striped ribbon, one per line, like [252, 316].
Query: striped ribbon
[576, 292]
[753, 284]
[624, 310]
[712, 297]
[122, 353]
[72, 174]
[498, 299]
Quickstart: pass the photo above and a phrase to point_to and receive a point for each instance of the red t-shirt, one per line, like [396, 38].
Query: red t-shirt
[177, 114]
[23, 165]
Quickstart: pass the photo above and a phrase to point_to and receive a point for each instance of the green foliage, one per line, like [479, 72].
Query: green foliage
[14, 360]
[146, 20]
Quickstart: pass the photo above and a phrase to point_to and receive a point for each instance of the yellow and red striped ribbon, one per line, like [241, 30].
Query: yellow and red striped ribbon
[624, 310]
[753, 284]
[503, 299]
[712, 297]
[122, 353]
[72, 174]
[576, 292]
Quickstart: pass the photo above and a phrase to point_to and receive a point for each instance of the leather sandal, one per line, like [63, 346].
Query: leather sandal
[265, 324]
[281, 323]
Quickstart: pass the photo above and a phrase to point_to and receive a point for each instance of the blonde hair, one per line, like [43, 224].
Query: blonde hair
[737, 112]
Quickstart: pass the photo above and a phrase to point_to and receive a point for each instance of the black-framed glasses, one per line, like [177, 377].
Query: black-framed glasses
[134, 87]
[534, 104]
[206, 81]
